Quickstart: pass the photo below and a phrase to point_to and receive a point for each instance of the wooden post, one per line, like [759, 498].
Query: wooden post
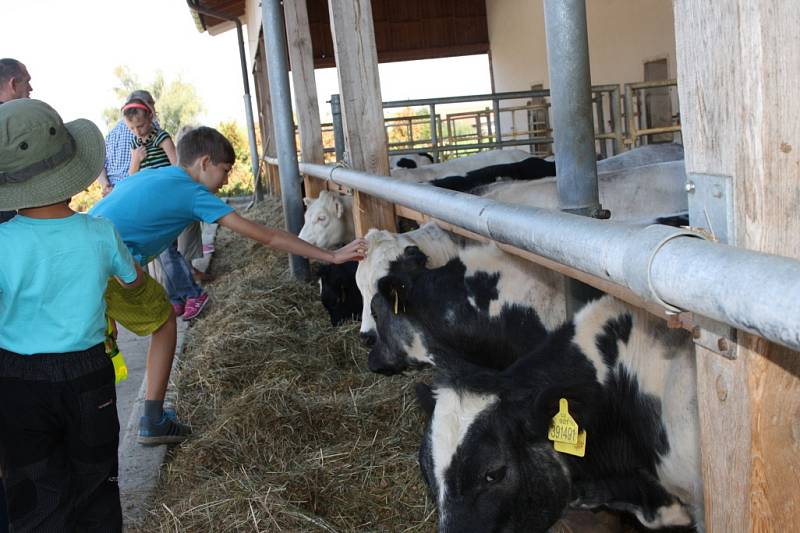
[738, 64]
[301, 59]
[362, 110]
[264, 102]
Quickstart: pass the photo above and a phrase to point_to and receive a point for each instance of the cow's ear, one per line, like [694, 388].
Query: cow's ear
[425, 398]
[308, 201]
[583, 403]
[412, 259]
[395, 289]
[339, 207]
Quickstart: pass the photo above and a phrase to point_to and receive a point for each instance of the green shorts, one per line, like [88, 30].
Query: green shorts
[142, 309]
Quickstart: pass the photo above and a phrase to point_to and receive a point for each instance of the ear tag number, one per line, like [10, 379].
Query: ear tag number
[564, 432]
[563, 427]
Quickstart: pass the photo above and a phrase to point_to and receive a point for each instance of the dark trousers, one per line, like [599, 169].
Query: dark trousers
[58, 441]
[7, 215]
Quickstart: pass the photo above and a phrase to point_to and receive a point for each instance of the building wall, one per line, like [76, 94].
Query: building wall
[623, 35]
[252, 18]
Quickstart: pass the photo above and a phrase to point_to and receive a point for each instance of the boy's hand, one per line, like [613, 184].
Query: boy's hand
[138, 155]
[355, 251]
[106, 189]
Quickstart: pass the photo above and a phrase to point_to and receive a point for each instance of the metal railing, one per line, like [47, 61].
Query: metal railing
[666, 266]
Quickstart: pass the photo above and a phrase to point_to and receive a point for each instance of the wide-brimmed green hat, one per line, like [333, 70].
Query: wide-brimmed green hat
[42, 160]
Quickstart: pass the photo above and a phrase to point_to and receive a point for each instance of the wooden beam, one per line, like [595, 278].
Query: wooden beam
[737, 62]
[298, 38]
[264, 104]
[362, 109]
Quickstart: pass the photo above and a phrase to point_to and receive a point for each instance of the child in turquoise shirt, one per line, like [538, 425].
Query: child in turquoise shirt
[58, 421]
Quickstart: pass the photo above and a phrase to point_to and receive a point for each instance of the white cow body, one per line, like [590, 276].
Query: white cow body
[630, 194]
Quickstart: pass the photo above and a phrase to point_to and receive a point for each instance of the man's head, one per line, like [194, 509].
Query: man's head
[42, 160]
[207, 156]
[138, 114]
[15, 82]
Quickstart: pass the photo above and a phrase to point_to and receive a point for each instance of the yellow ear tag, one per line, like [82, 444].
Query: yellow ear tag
[396, 300]
[563, 427]
[578, 449]
[564, 432]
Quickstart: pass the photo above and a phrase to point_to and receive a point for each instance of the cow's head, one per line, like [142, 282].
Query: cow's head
[339, 293]
[486, 458]
[325, 220]
[400, 336]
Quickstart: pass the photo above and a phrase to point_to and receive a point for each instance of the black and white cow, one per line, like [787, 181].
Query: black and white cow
[385, 247]
[629, 384]
[482, 302]
[339, 292]
[410, 160]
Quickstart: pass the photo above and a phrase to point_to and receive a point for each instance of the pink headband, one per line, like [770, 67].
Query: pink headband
[136, 105]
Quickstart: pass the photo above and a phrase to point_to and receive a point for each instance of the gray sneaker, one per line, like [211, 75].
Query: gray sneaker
[166, 431]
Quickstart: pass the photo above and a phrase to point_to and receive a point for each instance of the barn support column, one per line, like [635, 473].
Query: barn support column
[737, 62]
[364, 131]
[266, 126]
[275, 41]
[573, 121]
[301, 59]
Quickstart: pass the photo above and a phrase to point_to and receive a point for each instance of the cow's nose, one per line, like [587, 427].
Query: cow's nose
[380, 368]
[368, 338]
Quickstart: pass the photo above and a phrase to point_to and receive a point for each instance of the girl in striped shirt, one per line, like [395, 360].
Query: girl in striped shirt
[151, 146]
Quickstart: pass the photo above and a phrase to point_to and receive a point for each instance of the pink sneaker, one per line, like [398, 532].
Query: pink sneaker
[194, 306]
[179, 309]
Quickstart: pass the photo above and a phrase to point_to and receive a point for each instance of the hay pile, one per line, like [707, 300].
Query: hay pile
[291, 431]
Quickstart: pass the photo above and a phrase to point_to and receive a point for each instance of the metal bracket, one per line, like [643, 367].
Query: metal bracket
[711, 208]
[711, 205]
[714, 336]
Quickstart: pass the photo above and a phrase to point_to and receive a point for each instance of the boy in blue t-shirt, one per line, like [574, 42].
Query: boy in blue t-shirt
[58, 420]
[149, 210]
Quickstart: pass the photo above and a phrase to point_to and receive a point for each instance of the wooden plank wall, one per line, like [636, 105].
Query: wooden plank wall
[738, 67]
[298, 39]
[264, 109]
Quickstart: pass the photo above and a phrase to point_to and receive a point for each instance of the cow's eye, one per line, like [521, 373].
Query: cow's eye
[493, 476]
[322, 218]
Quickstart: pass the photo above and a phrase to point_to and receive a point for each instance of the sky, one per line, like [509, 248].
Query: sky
[72, 47]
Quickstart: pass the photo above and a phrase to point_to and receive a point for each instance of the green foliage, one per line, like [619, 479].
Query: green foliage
[177, 102]
[240, 180]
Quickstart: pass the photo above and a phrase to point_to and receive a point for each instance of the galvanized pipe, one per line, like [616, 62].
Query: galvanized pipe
[661, 264]
[571, 105]
[277, 68]
[434, 136]
[338, 127]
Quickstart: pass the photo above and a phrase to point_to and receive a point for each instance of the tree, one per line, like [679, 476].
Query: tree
[177, 102]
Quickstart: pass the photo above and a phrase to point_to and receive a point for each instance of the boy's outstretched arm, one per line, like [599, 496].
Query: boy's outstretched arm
[285, 241]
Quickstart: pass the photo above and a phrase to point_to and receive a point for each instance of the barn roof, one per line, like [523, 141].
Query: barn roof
[404, 31]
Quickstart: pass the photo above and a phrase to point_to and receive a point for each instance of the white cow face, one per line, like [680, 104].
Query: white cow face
[324, 225]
